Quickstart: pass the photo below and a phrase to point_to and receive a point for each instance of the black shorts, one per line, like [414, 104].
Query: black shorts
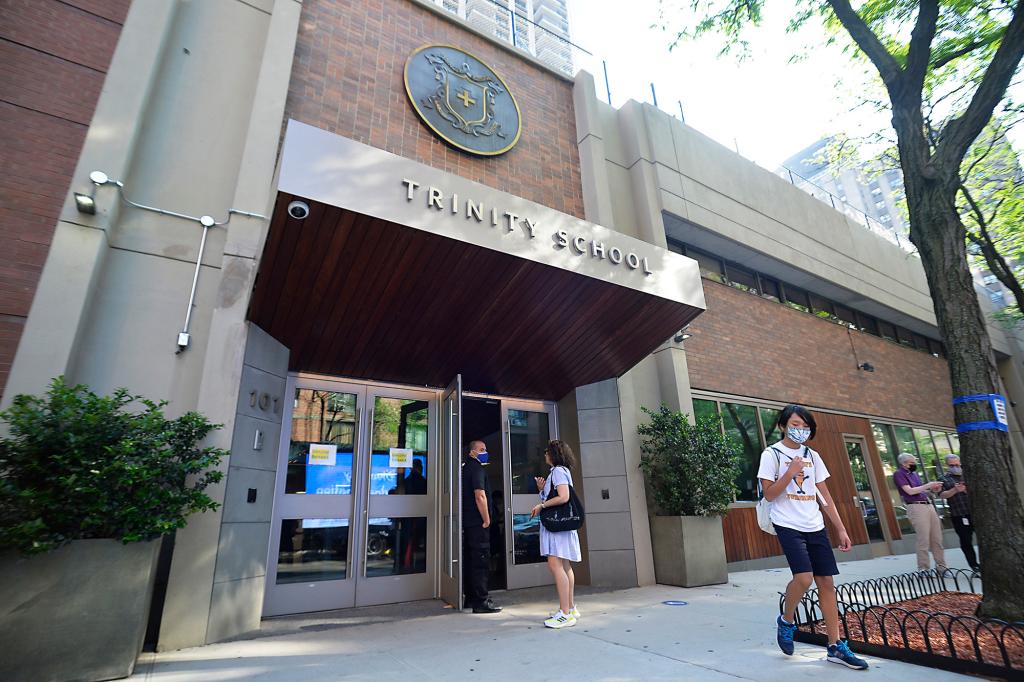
[807, 552]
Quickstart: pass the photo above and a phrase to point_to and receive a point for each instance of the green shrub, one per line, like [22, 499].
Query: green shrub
[75, 465]
[691, 469]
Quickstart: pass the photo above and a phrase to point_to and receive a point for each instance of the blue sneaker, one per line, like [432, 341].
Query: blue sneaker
[840, 653]
[784, 635]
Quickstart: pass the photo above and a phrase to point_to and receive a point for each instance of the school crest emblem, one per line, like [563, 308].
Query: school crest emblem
[462, 100]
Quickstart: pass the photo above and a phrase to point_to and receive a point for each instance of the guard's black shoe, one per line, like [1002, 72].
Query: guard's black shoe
[487, 607]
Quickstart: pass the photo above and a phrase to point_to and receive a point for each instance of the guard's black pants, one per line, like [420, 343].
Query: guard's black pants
[966, 535]
[476, 558]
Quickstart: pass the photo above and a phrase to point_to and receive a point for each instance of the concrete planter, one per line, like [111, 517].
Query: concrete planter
[689, 551]
[77, 613]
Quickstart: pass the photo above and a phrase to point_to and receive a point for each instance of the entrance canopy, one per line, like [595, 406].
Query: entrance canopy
[404, 273]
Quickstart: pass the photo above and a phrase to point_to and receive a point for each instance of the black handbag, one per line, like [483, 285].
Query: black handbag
[563, 517]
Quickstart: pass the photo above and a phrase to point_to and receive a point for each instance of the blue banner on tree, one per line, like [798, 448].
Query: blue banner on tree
[998, 405]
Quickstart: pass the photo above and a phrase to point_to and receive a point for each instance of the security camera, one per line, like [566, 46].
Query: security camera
[298, 210]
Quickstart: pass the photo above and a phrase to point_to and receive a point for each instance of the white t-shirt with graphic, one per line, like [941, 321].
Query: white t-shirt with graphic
[797, 507]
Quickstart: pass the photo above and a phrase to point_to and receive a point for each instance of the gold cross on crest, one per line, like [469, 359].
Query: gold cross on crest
[467, 101]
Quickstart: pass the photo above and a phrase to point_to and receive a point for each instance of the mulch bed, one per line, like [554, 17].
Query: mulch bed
[952, 603]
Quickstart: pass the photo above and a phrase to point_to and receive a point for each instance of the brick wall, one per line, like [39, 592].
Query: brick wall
[749, 346]
[53, 58]
[347, 78]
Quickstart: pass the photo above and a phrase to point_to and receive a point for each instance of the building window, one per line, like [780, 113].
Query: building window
[740, 423]
[846, 316]
[888, 451]
[769, 417]
[741, 279]
[710, 266]
[770, 289]
[886, 330]
[822, 307]
[921, 343]
[704, 408]
[904, 337]
[797, 298]
[866, 323]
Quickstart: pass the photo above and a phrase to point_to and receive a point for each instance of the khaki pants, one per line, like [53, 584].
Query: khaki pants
[929, 535]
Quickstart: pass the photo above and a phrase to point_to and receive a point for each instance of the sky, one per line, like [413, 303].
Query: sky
[765, 107]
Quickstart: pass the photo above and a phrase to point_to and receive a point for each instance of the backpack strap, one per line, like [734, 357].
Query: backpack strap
[778, 465]
[778, 461]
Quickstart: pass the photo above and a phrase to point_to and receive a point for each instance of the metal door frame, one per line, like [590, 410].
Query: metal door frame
[887, 539]
[325, 594]
[355, 589]
[371, 590]
[525, 575]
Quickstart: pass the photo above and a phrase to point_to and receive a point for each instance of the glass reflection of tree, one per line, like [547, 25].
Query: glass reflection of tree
[888, 449]
[769, 422]
[743, 423]
[860, 474]
[333, 413]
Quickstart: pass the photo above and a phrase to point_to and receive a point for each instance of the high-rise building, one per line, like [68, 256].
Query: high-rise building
[867, 192]
[538, 27]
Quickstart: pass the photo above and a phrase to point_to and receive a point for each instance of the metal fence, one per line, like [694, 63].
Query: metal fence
[948, 641]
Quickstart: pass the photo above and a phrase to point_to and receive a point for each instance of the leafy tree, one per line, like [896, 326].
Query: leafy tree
[991, 202]
[945, 66]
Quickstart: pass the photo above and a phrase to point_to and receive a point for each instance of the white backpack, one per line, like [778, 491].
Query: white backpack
[764, 507]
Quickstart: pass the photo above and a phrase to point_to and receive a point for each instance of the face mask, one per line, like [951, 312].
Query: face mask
[912, 467]
[482, 457]
[798, 435]
[956, 471]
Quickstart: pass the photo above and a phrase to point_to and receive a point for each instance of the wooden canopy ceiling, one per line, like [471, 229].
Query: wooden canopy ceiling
[360, 297]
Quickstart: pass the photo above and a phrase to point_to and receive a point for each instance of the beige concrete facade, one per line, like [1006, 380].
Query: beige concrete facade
[190, 119]
[643, 170]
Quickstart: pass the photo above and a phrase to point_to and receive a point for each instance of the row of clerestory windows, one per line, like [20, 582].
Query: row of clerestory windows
[732, 274]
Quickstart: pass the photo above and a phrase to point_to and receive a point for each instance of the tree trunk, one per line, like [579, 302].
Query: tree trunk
[996, 510]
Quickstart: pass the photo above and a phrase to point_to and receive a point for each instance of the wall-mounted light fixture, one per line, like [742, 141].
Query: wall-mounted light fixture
[682, 335]
[86, 203]
[866, 366]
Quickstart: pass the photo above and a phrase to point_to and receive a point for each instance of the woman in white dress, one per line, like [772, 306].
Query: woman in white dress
[560, 548]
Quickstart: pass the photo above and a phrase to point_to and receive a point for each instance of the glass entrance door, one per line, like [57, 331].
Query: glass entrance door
[397, 550]
[527, 427]
[865, 496]
[353, 522]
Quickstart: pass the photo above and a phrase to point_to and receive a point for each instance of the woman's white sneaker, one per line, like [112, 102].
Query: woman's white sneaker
[575, 613]
[560, 620]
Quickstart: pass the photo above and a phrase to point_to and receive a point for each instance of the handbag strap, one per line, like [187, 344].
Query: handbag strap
[552, 488]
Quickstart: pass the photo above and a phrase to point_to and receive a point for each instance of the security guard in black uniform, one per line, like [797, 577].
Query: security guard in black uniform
[476, 519]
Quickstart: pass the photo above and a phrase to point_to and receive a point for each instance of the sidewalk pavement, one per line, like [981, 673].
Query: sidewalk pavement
[724, 632]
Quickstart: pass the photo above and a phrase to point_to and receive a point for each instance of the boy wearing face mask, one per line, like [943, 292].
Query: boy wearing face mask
[793, 479]
[955, 492]
[920, 511]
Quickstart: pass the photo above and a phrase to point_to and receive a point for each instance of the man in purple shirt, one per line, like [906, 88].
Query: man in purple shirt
[920, 511]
